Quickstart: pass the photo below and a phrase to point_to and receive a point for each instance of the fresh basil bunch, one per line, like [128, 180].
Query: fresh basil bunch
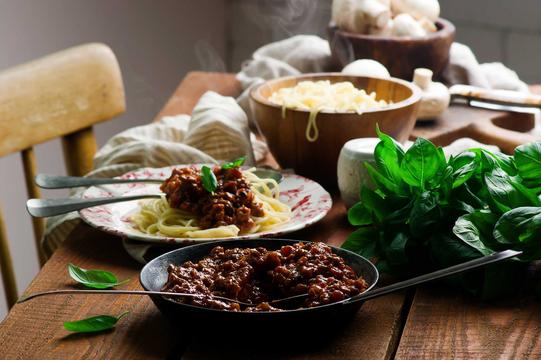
[425, 212]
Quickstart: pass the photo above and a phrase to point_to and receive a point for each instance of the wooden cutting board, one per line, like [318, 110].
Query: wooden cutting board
[506, 130]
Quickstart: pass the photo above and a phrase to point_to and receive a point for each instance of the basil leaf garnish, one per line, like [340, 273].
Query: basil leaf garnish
[234, 164]
[94, 323]
[208, 179]
[96, 279]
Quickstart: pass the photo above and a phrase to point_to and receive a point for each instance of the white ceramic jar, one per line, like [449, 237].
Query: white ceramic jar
[351, 170]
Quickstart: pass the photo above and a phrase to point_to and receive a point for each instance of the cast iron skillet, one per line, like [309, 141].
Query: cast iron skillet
[154, 275]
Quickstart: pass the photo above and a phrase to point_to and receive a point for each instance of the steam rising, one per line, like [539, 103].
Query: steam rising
[284, 18]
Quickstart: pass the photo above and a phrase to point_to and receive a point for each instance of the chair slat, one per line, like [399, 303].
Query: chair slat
[79, 149]
[6, 265]
[30, 171]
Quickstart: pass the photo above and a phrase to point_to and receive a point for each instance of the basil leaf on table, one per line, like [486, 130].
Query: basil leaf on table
[210, 183]
[96, 279]
[234, 164]
[94, 323]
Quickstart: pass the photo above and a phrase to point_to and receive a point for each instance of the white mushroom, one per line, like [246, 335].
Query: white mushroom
[366, 67]
[360, 16]
[419, 9]
[435, 95]
[387, 30]
[427, 24]
[406, 25]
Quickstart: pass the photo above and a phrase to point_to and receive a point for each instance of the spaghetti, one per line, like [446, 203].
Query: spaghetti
[242, 203]
[317, 96]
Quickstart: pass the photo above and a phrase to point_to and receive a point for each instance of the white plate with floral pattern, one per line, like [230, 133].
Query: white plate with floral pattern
[309, 203]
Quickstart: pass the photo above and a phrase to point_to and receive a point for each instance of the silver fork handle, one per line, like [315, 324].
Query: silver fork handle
[53, 207]
[62, 182]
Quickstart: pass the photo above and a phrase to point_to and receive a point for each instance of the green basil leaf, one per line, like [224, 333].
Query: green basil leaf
[425, 213]
[395, 253]
[507, 193]
[528, 161]
[93, 324]
[374, 203]
[96, 279]
[210, 183]
[467, 231]
[359, 215]
[421, 162]
[490, 161]
[520, 229]
[381, 181]
[388, 154]
[363, 241]
[464, 166]
[234, 164]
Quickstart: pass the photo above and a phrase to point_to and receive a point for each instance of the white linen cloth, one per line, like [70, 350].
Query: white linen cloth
[217, 130]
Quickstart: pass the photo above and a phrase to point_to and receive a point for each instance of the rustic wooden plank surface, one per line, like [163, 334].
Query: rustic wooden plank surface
[34, 329]
[443, 324]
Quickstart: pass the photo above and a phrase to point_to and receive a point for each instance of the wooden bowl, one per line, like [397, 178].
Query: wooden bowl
[400, 55]
[318, 160]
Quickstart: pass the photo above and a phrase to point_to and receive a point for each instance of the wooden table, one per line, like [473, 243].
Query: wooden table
[430, 323]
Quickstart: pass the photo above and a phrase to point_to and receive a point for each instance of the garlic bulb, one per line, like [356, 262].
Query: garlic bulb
[435, 98]
[406, 25]
[419, 9]
[366, 67]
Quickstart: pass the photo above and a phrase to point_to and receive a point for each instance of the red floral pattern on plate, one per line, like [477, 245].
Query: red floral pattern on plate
[307, 199]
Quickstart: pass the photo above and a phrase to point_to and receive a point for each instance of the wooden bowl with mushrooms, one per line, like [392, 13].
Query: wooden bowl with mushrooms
[312, 146]
[400, 55]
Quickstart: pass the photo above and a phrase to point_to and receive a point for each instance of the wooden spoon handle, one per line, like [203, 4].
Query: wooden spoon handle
[506, 140]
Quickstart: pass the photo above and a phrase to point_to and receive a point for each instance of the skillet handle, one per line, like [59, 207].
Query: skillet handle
[455, 269]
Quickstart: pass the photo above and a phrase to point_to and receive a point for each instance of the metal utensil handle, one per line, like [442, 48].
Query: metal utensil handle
[53, 207]
[121, 292]
[469, 265]
[62, 182]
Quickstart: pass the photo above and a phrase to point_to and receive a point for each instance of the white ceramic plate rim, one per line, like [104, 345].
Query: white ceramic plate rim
[309, 201]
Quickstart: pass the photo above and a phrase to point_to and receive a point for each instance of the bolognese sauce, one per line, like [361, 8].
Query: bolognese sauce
[232, 203]
[257, 276]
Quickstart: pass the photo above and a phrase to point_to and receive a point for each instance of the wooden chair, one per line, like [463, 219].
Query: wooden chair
[59, 95]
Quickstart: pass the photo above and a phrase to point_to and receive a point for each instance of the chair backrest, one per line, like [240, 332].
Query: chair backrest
[59, 95]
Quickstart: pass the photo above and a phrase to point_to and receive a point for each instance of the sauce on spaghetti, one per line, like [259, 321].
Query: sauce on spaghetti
[232, 203]
[258, 275]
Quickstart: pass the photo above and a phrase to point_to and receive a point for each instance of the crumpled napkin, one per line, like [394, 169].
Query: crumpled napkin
[217, 130]
[464, 68]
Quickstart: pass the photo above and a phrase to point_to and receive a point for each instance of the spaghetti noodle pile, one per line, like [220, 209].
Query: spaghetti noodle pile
[241, 203]
[340, 97]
